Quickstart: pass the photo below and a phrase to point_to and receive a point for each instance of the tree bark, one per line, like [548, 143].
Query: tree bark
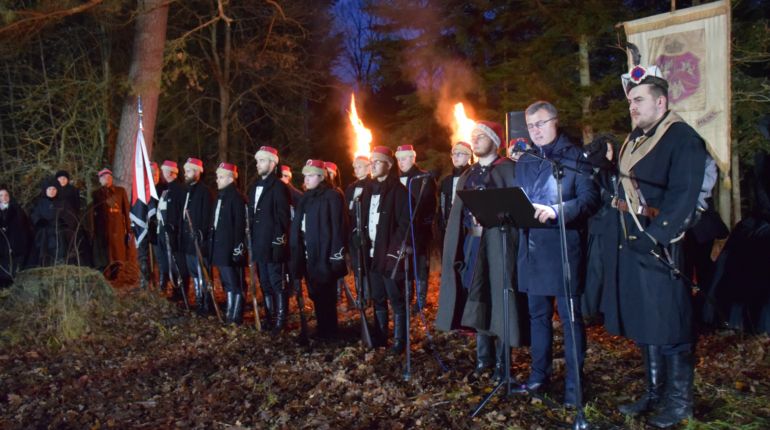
[224, 95]
[144, 76]
[585, 81]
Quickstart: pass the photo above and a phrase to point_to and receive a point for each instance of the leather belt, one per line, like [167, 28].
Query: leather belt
[644, 210]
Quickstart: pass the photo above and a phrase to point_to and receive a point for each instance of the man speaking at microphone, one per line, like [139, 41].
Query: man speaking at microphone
[540, 267]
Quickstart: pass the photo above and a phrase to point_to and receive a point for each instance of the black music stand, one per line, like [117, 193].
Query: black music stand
[502, 208]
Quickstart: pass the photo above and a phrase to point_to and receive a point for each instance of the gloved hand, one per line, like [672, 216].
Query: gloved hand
[642, 244]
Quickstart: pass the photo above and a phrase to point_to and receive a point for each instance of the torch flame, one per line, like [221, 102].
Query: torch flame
[363, 134]
[463, 126]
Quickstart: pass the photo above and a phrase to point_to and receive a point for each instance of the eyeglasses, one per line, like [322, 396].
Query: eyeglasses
[540, 124]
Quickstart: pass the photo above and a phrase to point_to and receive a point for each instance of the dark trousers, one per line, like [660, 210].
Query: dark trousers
[383, 289]
[232, 281]
[270, 277]
[324, 296]
[541, 316]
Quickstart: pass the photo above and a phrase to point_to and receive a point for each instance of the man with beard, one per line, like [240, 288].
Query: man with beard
[270, 219]
[318, 244]
[196, 206]
[661, 169]
[15, 237]
[111, 223]
[228, 230]
[169, 216]
[473, 295]
[385, 213]
[540, 268]
[461, 159]
[423, 218]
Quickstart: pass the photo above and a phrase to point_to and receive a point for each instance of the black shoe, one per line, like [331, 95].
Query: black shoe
[677, 403]
[655, 378]
[482, 367]
[530, 388]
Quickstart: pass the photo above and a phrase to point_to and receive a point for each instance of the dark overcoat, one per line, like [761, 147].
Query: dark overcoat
[171, 213]
[445, 199]
[15, 239]
[270, 219]
[111, 225]
[392, 227]
[198, 199]
[539, 258]
[54, 225]
[318, 254]
[227, 246]
[483, 310]
[649, 305]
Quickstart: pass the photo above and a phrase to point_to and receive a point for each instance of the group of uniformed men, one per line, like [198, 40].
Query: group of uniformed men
[654, 181]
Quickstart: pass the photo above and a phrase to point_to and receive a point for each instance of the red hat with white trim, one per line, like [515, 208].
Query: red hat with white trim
[331, 166]
[286, 170]
[169, 165]
[493, 130]
[194, 163]
[314, 167]
[361, 158]
[382, 153]
[227, 168]
[267, 152]
[463, 147]
[405, 151]
[103, 172]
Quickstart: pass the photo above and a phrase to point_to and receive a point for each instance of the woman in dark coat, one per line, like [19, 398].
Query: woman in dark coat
[15, 237]
[317, 240]
[55, 224]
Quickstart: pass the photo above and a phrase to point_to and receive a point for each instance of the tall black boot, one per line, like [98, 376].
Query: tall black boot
[381, 327]
[677, 400]
[399, 333]
[655, 375]
[229, 310]
[499, 372]
[269, 312]
[282, 304]
[236, 317]
[485, 353]
[200, 305]
[162, 282]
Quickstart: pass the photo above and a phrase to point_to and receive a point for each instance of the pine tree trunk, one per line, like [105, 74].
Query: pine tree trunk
[144, 77]
[585, 81]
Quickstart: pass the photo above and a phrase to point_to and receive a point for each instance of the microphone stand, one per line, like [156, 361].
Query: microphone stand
[580, 422]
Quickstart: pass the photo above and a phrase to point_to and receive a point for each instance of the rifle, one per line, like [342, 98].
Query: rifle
[360, 277]
[172, 264]
[252, 273]
[202, 272]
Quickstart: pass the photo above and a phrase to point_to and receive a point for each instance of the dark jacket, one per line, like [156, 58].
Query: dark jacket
[270, 219]
[445, 198]
[426, 209]
[198, 198]
[318, 253]
[392, 227]
[15, 238]
[172, 196]
[71, 195]
[539, 261]
[55, 225]
[483, 309]
[228, 228]
[649, 305]
[296, 196]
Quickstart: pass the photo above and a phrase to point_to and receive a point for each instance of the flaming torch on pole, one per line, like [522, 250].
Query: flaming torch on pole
[362, 168]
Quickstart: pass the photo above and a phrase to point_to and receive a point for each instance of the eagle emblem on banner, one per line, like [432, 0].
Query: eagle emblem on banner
[682, 73]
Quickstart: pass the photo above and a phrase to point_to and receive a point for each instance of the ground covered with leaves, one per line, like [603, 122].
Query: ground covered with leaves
[146, 363]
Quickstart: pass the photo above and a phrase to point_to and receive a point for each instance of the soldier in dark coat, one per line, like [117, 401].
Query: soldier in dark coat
[269, 203]
[461, 158]
[423, 218]
[67, 191]
[196, 211]
[472, 281]
[540, 270]
[661, 169]
[296, 194]
[227, 246]
[111, 222]
[318, 244]
[15, 237]
[54, 223]
[362, 167]
[171, 195]
[385, 213]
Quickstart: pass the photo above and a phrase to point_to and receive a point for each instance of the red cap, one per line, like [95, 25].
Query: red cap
[463, 147]
[104, 172]
[331, 166]
[285, 168]
[382, 153]
[492, 129]
[314, 167]
[228, 168]
[194, 163]
[170, 165]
